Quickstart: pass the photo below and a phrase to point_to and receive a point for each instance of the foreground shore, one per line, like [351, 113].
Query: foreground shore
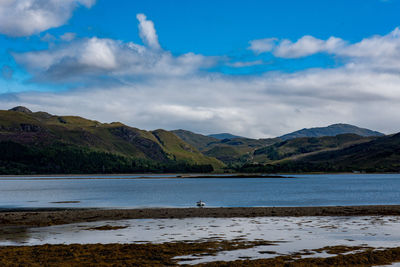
[45, 217]
[163, 255]
[184, 251]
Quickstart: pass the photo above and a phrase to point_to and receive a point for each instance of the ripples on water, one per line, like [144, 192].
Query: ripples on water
[303, 190]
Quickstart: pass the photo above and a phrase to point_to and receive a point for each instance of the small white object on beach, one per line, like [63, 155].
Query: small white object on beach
[200, 204]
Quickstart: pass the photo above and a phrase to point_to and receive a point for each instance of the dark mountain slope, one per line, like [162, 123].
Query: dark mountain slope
[199, 141]
[331, 130]
[222, 136]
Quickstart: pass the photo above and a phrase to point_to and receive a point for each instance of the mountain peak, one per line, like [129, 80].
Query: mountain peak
[331, 130]
[21, 109]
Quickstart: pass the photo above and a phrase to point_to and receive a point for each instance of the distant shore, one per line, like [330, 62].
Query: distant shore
[180, 175]
[54, 216]
[137, 176]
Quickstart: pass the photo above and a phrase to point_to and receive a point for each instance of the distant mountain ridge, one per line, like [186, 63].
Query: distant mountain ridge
[222, 136]
[331, 130]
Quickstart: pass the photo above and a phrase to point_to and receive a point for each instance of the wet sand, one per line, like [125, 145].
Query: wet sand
[49, 216]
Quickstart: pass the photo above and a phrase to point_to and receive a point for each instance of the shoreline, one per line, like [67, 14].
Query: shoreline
[57, 216]
[137, 177]
[184, 175]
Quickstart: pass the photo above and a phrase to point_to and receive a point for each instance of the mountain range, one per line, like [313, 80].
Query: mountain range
[39, 142]
[41, 133]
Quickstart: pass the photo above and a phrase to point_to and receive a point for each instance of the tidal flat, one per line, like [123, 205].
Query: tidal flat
[236, 241]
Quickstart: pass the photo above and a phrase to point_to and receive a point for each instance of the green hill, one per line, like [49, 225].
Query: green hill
[229, 151]
[36, 133]
[299, 147]
[379, 155]
[373, 154]
[331, 130]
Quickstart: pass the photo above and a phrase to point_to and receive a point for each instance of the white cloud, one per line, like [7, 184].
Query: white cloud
[27, 17]
[88, 58]
[147, 32]
[263, 45]
[306, 46]
[98, 53]
[264, 106]
[158, 90]
[379, 51]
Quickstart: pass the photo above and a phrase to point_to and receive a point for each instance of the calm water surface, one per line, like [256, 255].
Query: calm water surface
[303, 190]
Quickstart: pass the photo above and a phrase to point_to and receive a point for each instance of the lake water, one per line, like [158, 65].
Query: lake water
[303, 190]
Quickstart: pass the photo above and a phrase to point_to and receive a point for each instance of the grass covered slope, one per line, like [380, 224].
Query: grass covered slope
[177, 149]
[300, 147]
[229, 151]
[379, 155]
[38, 133]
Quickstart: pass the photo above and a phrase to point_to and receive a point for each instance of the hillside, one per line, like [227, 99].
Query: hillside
[379, 154]
[239, 150]
[39, 143]
[37, 132]
[229, 151]
[199, 141]
[331, 130]
[298, 147]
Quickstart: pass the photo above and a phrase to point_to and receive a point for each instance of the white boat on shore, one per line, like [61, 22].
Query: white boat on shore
[200, 204]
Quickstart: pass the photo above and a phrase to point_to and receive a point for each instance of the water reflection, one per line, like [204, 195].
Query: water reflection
[15, 234]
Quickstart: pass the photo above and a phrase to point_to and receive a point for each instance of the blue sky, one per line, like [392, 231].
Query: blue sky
[226, 26]
[254, 68]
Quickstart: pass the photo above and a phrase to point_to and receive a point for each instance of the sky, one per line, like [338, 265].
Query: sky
[253, 68]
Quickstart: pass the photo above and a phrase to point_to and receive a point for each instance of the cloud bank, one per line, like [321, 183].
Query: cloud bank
[148, 87]
[27, 17]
